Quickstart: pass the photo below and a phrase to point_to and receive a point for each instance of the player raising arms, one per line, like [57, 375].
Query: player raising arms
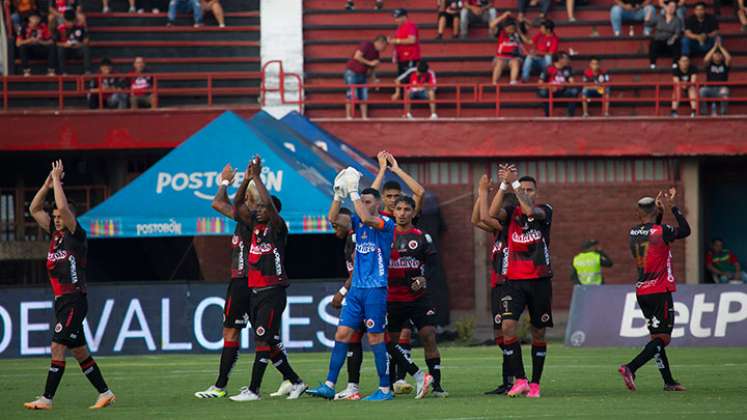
[366, 298]
[66, 266]
[528, 275]
[650, 243]
[498, 256]
[268, 281]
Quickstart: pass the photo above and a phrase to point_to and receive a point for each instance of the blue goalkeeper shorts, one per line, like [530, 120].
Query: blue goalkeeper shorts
[367, 306]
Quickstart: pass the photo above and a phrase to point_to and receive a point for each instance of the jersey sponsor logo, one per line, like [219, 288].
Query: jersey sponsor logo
[405, 262]
[208, 180]
[528, 237]
[640, 232]
[413, 244]
[365, 248]
[261, 249]
[57, 256]
[73, 269]
[260, 331]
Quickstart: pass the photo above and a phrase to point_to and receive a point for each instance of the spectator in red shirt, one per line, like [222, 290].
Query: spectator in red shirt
[358, 68]
[406, 43]
[476, 10]
[34, 40]
[510, 47]
[21, 11]
[58, 8]
[106, 88]
[555, 80]
[544, 46]
[595, 80]
[140, 86]
[723, 264]
[351, 5]
[448, 15]
[72, 40]
[421, 86]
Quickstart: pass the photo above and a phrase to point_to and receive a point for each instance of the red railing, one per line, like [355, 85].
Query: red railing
[77, 86]
[280, 89]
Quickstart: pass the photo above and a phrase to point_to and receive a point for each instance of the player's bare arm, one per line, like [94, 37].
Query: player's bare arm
[525, 200]
[340, 295]
[475, 218]
[496, 207]
[418, 192]
[240, 194]
[485, 217]
[221, 203]
[334, 210]
[37, 205]
[68, 218]
[255, 169]
[381, 157]
[682, 230]
[367, 218]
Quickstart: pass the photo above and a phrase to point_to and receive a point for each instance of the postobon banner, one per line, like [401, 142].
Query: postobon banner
[706, 315]
[160, 317]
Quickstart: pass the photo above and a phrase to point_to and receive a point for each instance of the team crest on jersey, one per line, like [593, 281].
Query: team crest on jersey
[235, 240]
[370, 323]
[364, 235]
[545, 317]
[58, 328]
[260, 331]
[497, 318]
[412, 244]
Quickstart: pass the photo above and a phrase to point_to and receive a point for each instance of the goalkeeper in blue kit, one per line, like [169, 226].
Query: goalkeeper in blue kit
[366, 301]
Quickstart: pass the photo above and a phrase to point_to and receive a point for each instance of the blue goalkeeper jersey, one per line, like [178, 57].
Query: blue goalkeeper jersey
[372, 250]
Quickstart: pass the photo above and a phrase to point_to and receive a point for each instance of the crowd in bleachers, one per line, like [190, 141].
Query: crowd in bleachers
[531, 48]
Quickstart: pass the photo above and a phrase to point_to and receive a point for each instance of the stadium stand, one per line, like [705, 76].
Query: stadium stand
[331, 35]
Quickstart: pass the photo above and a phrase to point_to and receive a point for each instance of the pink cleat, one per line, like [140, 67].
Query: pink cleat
[628, 377]
[534, 391]
[521, 387]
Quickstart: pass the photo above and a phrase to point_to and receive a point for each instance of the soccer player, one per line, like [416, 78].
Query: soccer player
[343, 230]
[650, 244]
[236, 309]
[528, 275]
[392, 191]
[412, 260]
[498, 255]
[366, 298]
[66, 266]
[268, 281]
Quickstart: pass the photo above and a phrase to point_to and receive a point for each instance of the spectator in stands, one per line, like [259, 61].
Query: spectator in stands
[632, 11]
[717, 63]
[359, 67]
[58, 8]
[140, 86]
[21, 11]
[570, 8]
[510, 47]
[106, 9]
[406, 43]
[701, 31]
[35, 40]
[723, 264]
[151, 5]
[544, 45]
[72, 41]
[544, 6]
[351, 5]
[680, 6]
[595, 86]
[476, 11]
[556, 80]
[448, 15]
[420, 86]
[216, 9]
[742, 14]
[684, 77]
[667, 35]
[185, 6]
[110, 91]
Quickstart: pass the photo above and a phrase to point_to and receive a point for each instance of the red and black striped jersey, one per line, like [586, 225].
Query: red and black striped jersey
[267, 254]
[66, 260]
[528, 244]
[410, 251]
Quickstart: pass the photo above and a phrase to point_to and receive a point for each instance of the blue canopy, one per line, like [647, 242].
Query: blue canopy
[172, 198]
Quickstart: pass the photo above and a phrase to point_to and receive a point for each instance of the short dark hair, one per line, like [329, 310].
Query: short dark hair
[69, 15]
[423, 66]
[106, 61]
[594, 58]
[527, 178]
[547, 23]
[372, 191]
[381, 37]
[391, 185]
[561, 54]
[345, 210]
[700, 4]
[277, 203]
[714, 240]
[407, 200]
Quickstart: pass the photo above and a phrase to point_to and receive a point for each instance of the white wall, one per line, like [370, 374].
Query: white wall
[282, 39]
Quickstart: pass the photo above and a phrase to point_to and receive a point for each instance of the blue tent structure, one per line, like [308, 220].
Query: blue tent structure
[172, 198]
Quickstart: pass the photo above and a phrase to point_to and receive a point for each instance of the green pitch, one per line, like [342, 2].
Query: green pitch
[578, 384]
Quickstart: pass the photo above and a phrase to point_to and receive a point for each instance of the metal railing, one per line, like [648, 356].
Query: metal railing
[281, 89]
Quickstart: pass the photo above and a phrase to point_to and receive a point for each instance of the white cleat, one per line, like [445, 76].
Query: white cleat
[424, 381]
[40, 403]
[402, 387]
[297, 390]
[351, 393]
[212, 392]
[245, 395]
[283, 390]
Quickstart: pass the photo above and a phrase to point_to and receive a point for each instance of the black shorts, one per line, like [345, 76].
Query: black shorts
[403, 66]
[534, 294]
[399, 314]
[449, 18]
[69, 312]
[658, 309]
[496, 293]
[236, 308]
[265, 311]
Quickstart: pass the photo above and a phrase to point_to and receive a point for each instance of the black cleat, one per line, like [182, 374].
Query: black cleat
[501, 390]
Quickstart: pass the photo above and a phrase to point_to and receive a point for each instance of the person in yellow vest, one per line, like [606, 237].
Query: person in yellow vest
[587, 265]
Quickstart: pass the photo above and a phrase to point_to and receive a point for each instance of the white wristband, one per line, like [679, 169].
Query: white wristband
[343, 291]
[355, 196]
[504, 186]
[224, 182]
[516, 184]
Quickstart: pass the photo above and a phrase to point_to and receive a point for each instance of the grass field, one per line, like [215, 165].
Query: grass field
[578, 383]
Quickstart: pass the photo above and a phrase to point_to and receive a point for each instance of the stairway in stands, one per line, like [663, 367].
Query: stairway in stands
[331, 35]
[180, 48]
